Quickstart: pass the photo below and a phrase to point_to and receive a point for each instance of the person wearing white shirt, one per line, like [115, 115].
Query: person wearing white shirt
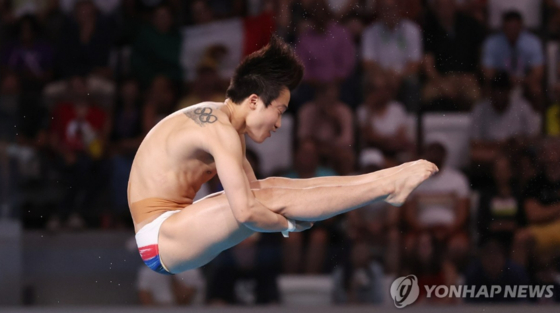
[383, 122]
[441, 205]
[502, 122]
[392, 48]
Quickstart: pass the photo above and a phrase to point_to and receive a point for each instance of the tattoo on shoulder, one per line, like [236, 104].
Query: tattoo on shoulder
[202, 115]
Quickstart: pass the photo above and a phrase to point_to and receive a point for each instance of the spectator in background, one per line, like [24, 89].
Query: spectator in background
[164, 290]
[160, 102]
[52, 20]
[201, 12]
[526, 166]
[552, 115]
[7, 20]
[29, 57]
[542, 207]
[306, 162]
[477, 9]
[376, 223]
[500, 210]
[329, 123]
[383, 122]
[502, 122]
[156, 49]
[412, 10]
[325, 48]
[86, 45]
[359, 280]
[546, 274]
[10, 90]
[392, 48]
[494, 268]
[440, 205]
[452, 42]
[208, 86]
[126, 136]
[245, 274]
[78, 136]
[553, 120]
[516, 51]
[306, 165]
[425, 257]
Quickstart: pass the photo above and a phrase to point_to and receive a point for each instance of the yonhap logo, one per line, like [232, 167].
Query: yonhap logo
[404, 291]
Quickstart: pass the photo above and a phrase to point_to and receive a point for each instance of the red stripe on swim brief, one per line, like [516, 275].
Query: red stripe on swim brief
[148, 252]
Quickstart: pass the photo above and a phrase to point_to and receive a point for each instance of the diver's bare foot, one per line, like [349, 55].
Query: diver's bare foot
[408, 178]
[391, 170]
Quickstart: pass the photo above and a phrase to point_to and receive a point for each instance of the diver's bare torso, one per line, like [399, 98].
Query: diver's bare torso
[172, 161]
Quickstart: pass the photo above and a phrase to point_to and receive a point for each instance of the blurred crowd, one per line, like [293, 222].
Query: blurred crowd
[82, 81]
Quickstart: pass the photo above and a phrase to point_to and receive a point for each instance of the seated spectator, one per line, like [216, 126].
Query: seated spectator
[29, 57]
[376, 223]
[208, 86]
[494, 268]
[552, 114]
[78, 136]
[552, 11]
[359, 280]
[101, 90]
[412, 10]
[86, 45]
[156, 49]
[52, 20]
[553, 120]
[306, 162]
[154, 289]
[477, 9]
[245, 274]
[125, 138]
[452, 42]
[526, 166]
[10, 89]
[425, 257]
[542, 207]
[499, 123]
[325, 49]
[159, 102]
[329, 123]
[440, 205]
[306, 165]
[392, 48]
[7, 20]
[516, 51]
[546, 273]
[500, 211]
[383, 122]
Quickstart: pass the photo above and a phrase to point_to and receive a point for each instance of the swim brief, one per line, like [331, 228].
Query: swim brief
[147, 241]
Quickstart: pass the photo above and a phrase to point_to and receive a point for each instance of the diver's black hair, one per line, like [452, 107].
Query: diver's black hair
[266, 72]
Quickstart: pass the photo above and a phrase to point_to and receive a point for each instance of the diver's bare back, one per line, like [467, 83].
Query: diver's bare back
[172, 162]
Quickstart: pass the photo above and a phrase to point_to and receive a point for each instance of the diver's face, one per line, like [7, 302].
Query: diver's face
[264, 120]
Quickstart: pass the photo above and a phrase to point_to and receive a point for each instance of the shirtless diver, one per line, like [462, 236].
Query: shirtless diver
[188, 147]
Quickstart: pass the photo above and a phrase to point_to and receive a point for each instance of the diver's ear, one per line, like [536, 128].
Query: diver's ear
[253, 101]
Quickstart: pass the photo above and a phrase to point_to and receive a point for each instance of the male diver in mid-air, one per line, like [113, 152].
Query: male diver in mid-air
[190, 146]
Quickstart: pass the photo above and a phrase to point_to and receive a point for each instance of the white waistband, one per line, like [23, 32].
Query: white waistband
[148, 235]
